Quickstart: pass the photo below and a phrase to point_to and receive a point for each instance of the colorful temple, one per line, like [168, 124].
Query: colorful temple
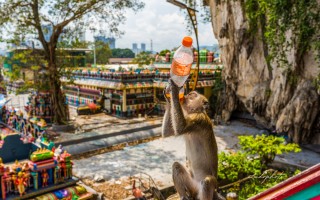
[127, 90]
[30, 165]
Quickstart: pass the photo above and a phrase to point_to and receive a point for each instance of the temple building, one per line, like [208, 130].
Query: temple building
[127, 90]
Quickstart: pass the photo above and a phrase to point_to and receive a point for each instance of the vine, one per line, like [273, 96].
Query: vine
[279, 18]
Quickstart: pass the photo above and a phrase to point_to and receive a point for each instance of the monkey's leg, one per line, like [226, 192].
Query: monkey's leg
[184, 184]
[207, 190]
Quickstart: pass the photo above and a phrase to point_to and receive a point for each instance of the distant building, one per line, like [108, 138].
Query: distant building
[143, 47]
[48, 30]
[120, 60]
[135, 48]
[110, 40]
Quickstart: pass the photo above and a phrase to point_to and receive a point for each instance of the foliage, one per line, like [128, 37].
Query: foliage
[122, 53]
[143, 58]
[237, 165]
[25, 62]
[73, 44]
[316, 83]
[248, 167]
[278, 19]
[266, 147]
[103, 53]
[204, 14]
[164, 52]
[217, 91]
[258, 184]
[21, 19]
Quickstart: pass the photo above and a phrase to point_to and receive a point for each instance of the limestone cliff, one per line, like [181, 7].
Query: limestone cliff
[281, 98]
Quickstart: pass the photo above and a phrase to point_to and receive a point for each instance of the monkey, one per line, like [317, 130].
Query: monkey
[167, 129]
[191, 120]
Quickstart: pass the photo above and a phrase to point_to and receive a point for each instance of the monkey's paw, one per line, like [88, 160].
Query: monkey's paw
[174, 87]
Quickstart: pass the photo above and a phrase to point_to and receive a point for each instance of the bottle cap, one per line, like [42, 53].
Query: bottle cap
[187, 41]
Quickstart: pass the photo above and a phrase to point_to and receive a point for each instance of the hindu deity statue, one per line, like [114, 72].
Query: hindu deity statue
[45, 178]
[42, 106]
[20, 183]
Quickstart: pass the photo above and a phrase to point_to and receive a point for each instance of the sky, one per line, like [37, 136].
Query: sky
[162, 22]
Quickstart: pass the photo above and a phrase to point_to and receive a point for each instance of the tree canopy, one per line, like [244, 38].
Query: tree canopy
[143, 58]
[122, 53]
[23, 19]
[103, 53]
[164, 52]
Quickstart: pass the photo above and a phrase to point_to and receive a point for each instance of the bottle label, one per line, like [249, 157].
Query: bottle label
[180, 69]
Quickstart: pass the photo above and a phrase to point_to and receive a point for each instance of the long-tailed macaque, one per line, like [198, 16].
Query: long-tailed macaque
[191, 120]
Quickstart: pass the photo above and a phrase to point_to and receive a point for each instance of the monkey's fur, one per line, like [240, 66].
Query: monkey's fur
[191, 120]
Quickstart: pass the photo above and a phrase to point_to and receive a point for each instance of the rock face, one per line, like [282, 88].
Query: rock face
[276, 97]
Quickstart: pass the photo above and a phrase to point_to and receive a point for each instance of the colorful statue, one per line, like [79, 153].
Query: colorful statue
[8, 181]
[47, 111]
[27, 176]
[42, 106]
[17, 166]
[45, 177]
[37, 111]
[20, 182]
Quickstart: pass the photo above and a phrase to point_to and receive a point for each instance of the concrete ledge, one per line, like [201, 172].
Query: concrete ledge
[67, 127]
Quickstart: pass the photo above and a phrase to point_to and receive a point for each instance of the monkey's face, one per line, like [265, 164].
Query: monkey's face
[195, 103]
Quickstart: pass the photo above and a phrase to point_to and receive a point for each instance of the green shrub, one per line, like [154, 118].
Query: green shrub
[266, 147]
[248, 167]
[237, 165]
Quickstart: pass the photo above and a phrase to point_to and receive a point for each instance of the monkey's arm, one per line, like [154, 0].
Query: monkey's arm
[178, 121]
[167, 129]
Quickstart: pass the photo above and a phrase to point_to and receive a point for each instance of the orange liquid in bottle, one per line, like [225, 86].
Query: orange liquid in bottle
[181, 96]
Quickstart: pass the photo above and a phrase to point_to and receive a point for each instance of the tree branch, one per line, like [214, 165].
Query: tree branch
[37, 25]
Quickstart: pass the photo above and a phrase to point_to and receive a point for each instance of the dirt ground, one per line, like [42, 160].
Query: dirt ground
[121, 188]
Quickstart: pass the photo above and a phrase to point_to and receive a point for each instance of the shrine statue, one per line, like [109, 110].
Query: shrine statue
[1, 166]
[45, 178]
[20, 182]
[34, 101]
[8, 181]
[47, 111]
[42, 105]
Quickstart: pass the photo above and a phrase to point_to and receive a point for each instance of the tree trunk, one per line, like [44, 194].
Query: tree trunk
[268, 93]
[58, 101]
[60, 111]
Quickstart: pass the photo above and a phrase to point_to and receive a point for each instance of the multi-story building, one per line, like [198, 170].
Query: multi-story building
[107, 40]
[48, 30]
[143, 47]
[135, 48]
[129, 91]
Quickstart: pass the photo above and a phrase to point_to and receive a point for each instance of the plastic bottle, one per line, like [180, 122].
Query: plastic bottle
[181, 64]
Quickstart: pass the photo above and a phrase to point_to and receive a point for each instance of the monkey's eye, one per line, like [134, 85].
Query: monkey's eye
[192, 95]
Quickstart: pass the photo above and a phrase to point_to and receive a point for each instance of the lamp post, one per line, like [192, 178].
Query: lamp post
[193, 18]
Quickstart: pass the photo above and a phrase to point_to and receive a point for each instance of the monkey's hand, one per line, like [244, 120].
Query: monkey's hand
[174, 88]
[165, 91]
